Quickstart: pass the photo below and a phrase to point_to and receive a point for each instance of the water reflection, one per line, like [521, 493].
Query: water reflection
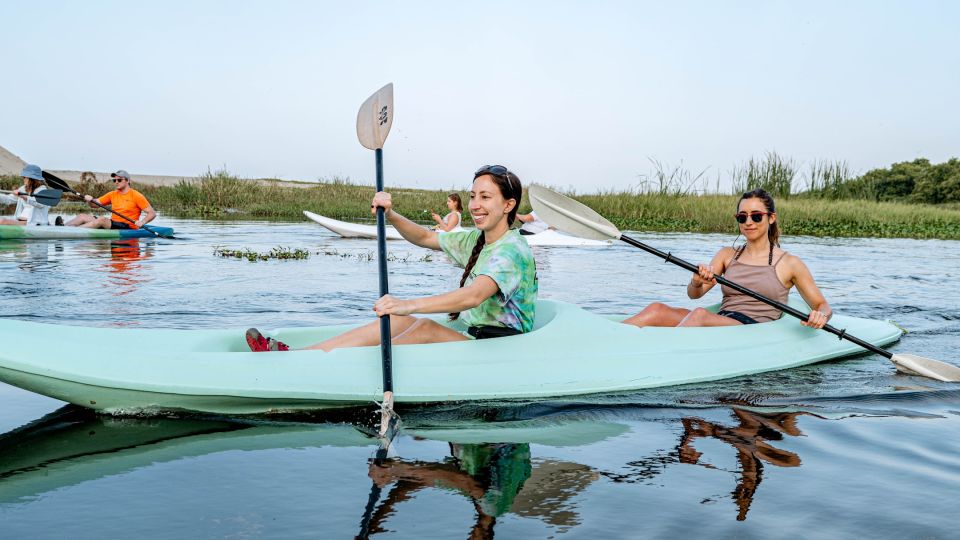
[749, 439]
[489, 475]
[33, 256]
[74, 445]
[125, 265]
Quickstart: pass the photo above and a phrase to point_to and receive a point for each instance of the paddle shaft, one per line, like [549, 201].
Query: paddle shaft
[62, 184]
[42, 197]
[842, 334]
[386, 350]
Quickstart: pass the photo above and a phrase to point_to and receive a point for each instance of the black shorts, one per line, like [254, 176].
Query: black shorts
[119, 225]
[487, 332]
[737, 316]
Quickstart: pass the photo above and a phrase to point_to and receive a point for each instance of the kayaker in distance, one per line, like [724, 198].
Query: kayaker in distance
[124, 200]
[759, 265]
[532, 224]
[498, 288]
[29, 211]
[451, 221]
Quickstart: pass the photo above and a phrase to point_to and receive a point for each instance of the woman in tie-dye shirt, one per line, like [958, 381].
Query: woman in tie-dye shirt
[498, 288]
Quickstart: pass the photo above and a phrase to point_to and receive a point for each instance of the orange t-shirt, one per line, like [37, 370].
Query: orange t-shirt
[129, 204]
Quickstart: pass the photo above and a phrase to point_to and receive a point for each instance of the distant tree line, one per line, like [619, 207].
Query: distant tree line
[917, 181]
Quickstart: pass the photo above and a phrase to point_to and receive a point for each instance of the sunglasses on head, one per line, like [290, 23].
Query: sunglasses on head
[497, 170]
[757, 217]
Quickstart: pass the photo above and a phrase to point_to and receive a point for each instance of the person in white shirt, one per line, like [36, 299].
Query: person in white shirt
[451, 221]
[29, 211]
[531, 224]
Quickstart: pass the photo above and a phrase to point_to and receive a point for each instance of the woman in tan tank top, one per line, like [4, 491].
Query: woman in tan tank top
[759, 265]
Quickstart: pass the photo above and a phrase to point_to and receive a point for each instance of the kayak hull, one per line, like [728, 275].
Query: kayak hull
[549, 238]
[570, 352]
[16, 232]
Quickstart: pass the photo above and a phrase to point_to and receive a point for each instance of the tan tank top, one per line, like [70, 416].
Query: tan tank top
[762, 279]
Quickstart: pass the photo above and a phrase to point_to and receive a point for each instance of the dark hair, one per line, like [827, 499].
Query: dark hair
[456, 198]
[510, 188]
[773, 231]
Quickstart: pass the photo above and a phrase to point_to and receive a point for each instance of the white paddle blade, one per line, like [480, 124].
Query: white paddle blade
[926, 367]
[570, 216]
[375, 118]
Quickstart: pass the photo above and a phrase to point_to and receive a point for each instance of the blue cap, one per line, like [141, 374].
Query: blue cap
[32, 171]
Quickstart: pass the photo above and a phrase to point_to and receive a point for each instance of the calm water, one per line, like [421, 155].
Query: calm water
[839, 450]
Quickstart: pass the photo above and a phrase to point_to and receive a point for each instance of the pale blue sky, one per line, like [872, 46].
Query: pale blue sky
[573, 94]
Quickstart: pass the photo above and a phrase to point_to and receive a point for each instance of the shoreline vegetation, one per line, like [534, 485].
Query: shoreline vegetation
[908, 200]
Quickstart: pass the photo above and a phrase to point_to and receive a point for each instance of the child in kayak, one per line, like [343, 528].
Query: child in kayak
[451, 221]
[759, 265]
[498, 288]
[29, 211]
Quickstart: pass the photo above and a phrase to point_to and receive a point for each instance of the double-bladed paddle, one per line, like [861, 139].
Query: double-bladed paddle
[61, 184]
[578, 219]
[47, 197]
[373, 125]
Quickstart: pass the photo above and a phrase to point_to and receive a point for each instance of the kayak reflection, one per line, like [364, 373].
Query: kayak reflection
[73, 445]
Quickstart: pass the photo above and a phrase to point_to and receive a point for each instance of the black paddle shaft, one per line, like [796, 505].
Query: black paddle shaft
[842, 334]
[386, 352]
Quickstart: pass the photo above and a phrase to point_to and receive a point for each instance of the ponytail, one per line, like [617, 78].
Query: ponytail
[477, 248]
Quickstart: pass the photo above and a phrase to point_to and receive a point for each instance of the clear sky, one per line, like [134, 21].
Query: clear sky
[572, 94]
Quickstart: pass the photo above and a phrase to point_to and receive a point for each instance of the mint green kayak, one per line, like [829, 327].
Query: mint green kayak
[570, 352]
[11, 232]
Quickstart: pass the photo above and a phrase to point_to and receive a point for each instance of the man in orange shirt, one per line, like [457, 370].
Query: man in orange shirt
[124, 200]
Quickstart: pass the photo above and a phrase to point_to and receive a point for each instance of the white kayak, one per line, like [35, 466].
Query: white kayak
[357, 230]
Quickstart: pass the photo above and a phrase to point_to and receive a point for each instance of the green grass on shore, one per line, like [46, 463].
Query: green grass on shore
[220, 196]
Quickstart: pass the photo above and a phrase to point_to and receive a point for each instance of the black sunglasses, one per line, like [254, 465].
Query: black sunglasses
[497, 170]
[120, 179]
[757, 217]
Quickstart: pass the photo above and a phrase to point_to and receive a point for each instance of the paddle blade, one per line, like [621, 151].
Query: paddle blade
[49, 197]
[56, 182]
[570, 216]
[375, 118]
[926, 367]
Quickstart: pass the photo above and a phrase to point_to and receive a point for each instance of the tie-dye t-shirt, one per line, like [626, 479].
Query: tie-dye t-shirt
[509, 263]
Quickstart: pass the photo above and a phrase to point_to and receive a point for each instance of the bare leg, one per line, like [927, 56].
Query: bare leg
[80, 220]
[657, 314]
[102, 222]
[427, 331]
[702, 317]
[4, 221]
[366, 335]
